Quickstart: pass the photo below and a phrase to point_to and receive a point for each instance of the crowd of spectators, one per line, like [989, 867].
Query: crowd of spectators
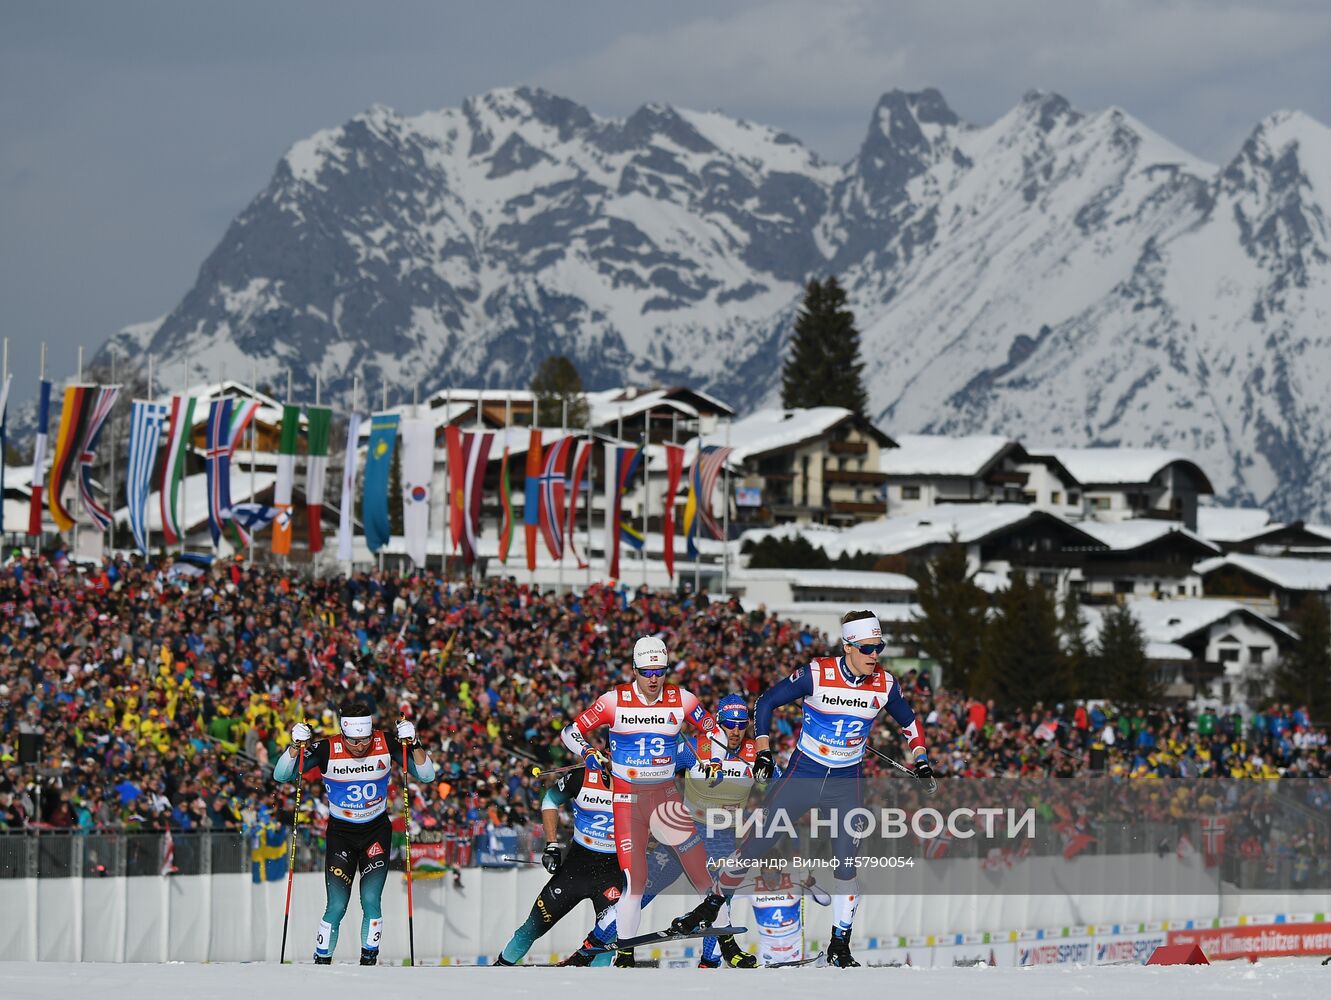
[152, 697]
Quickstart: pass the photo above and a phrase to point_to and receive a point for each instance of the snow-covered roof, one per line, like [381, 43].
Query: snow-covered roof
[1117, 466]
[1287, 574]
[1173, 620]
[770, 430]
[1232, 524]
[934, 526]
[605, 408]
[938, 455]
[831, 578]
[269, 412]
[1124, 536]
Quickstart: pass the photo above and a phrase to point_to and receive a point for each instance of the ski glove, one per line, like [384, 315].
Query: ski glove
[763, 767]
[715, 771]
[924, 774]
[301, 733]
[552, 857]
[406, 731]
[596, 760]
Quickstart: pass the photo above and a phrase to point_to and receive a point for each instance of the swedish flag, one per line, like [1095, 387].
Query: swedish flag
[268, 850]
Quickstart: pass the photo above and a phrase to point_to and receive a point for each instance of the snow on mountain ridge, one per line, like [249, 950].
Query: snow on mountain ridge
[1065, 274]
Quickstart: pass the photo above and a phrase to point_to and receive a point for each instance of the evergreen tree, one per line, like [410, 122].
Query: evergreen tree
[555, 383]
[1024, 659]
[1124, 674]
[1072, 634]
[1303, 676]
[953, 617]
[823, 366]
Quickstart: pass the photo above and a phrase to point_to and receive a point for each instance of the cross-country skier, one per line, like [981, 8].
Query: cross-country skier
[355, 765]
[700, 796]
[588, 870]
[842, 697]
[779, 913]
[645, 718]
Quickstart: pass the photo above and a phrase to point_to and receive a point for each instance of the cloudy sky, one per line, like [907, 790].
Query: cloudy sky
[132, 132]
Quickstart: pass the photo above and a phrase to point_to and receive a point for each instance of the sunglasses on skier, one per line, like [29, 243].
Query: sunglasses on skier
[735, 723]
[869, 648]
[651, 671]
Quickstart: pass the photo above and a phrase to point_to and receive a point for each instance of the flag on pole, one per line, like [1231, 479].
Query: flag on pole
[227, 420]
[173, 466]
[378, 464]
[417, 470]
[706, 471]
[99, 408]
[455, 472]
[286, 478]
[621, 462]
[251, 518]
[551, 500]
[580, 460]
[531, 503]
[475, 455]
[67, 441]
[348, 489]
[4, 441]
[505, 505]
[320, 419]
[145, 433]
[39, 457]
[629, 533]
[674, 454]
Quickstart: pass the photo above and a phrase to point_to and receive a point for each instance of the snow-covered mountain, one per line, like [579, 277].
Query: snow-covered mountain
[1062, 277]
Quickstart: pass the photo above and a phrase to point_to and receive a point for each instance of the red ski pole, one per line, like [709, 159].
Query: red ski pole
[291, 858]
[406, 826]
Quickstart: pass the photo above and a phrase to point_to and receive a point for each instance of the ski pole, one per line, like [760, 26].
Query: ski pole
[291, 858]
[406, 826]
[891, 760]
[509, 859]
[545, 772]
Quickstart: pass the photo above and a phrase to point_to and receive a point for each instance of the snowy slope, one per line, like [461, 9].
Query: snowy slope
[1058, 275]
[1289, 979]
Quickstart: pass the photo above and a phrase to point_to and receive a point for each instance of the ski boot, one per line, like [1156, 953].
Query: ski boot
[584, 956]
[838, 951]
[735, 956]
[701, 916]
[369, 956]
[323, 959]
[501, 960]
[709, 963]
[624, 959]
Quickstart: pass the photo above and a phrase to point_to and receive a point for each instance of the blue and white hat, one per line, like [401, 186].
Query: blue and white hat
[732, 708]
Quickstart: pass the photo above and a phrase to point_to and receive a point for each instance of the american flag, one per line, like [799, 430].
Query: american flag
[706, 471]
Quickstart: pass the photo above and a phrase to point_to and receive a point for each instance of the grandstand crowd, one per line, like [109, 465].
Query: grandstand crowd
[155, 697]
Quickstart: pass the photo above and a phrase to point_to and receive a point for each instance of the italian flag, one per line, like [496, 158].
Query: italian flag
[173, 469]
[286, 479]
[320, 418]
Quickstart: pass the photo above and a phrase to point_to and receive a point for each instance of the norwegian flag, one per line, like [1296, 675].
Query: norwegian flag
[936, 848]
[551, 487]
[1214, 831]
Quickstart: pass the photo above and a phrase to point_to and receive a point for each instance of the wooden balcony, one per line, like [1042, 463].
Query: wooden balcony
[848, 447]
[850, 507]
[853, 476]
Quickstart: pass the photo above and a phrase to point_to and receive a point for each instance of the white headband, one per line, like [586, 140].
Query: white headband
[357, 727]
[861, 630]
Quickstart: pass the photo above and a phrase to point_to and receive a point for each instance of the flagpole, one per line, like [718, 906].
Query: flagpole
[384, 408]
[184, 478]
[646, 486]
[725, 518]
[254, 392]
[448, 473]
[147, 529]
[563, 425]
[111, 489]
[318, 401]
[355, 403]
[591, 478]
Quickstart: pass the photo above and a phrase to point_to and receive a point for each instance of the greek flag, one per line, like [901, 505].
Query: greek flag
[145, 433]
